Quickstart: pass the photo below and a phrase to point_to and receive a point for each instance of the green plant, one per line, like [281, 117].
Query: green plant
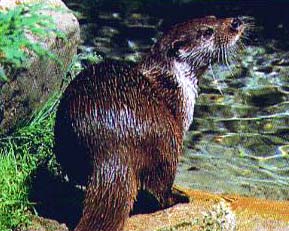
[23, 151]
[76, 65]
[14, 173]
[16, 26]
[220, 218]
[20, 154]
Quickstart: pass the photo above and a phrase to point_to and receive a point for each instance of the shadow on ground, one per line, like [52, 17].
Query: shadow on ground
[59, 200]
[56, 199]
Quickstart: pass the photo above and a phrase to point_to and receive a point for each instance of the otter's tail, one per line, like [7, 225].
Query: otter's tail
[109, 197]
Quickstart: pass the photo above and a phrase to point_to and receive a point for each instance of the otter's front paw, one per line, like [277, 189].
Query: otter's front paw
[175, 197]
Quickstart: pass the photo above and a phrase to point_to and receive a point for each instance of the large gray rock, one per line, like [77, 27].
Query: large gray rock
[29, 89]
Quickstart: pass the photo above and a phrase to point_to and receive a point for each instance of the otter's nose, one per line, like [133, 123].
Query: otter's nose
[235, 24]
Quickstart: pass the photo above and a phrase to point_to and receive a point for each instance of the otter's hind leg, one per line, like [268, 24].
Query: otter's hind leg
[109, 197]
[160, 183]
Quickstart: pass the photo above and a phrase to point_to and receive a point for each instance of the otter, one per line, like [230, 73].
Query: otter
[119, 127]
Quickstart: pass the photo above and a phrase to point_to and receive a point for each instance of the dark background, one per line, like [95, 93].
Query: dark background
[271, 16]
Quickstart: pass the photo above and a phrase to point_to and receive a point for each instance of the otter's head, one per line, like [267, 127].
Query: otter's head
[203, 41]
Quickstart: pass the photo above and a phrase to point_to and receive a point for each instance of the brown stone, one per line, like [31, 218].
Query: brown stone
[236, 213]
[42, 224]
[243, 214]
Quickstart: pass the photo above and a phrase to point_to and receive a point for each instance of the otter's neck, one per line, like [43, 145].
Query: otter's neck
[188, 82]
[176, 84]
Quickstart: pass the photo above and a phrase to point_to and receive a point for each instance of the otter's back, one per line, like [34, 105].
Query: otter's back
[107, 107]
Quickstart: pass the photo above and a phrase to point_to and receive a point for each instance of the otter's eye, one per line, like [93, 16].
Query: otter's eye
[208, 32]
[175, 47]
[235, 24]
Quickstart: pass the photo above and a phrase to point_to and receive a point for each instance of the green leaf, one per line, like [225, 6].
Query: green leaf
[15, 47]
[3, 76]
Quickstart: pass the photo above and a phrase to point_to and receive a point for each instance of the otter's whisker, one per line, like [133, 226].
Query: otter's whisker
[222, 54]
[215, 80]
[233, 55]
[241, 45]
[227, 61]
[198, 59]
[219, 55]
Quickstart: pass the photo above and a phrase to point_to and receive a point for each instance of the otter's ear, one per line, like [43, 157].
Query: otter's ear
[176, 45]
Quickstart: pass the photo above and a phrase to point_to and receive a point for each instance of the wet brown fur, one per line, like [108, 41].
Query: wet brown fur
[119, 128]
